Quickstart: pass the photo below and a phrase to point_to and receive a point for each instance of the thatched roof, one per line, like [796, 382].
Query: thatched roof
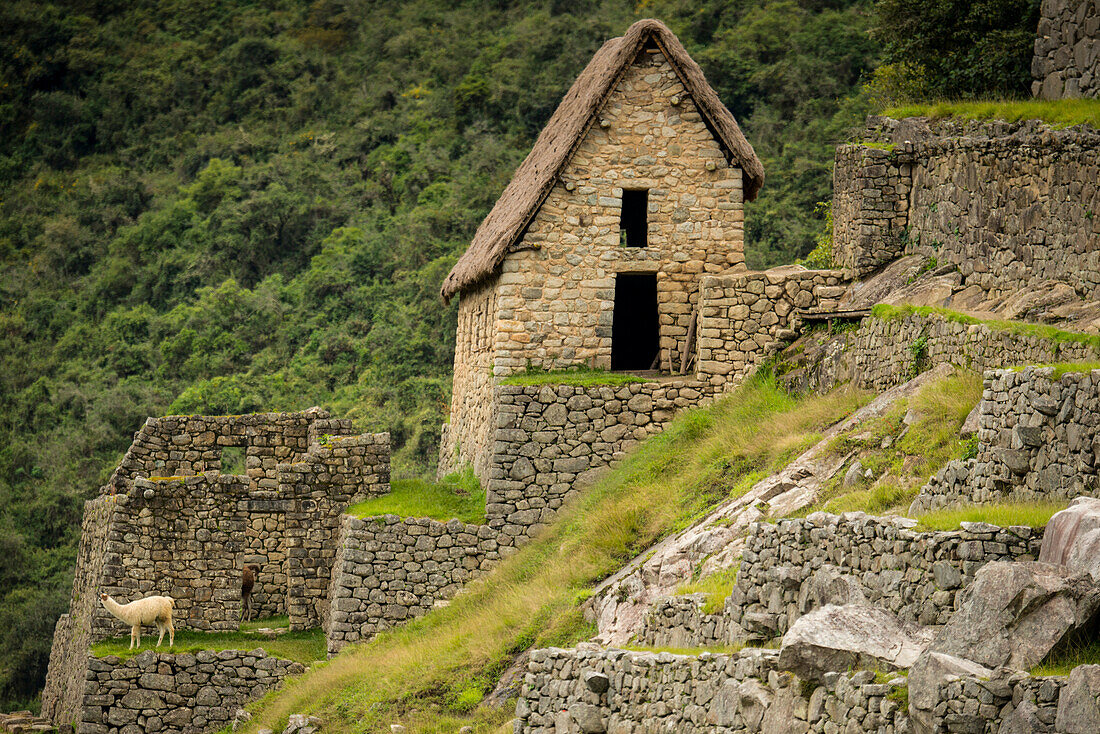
[535, 177]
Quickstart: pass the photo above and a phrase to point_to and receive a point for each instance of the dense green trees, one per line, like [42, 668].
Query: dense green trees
[225, 206]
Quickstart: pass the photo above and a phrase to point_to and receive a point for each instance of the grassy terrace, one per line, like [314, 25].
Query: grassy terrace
[1057, 113]
[304, 647]
[457, 496]
[431, 674]
[578, 377]
[1040, 331]
[717, 586]
[1030, 514]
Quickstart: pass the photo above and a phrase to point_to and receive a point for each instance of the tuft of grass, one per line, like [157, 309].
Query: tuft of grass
[577, 377]
[1078, 649]
[458, 496]
[1065, 368]
[1004, 514]
[532, 597]
[717, 586]
[1041, 331]
[1056, 113]
[916, 453]
[305, 646]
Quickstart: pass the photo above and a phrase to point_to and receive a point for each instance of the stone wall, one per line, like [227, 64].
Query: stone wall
[870, 208]
[549, 437]
[1039, 439]
[596, 690]
[176, 694]
[1014, 702]
[556, 290]
[1009, 204]
[389, 570]
[888, 350]
[61, 697]
[746, 317]
[467, 439]
[1066, 62]
[915, 575]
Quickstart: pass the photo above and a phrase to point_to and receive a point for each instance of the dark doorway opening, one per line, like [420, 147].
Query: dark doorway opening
[633, 227]
[634, 328]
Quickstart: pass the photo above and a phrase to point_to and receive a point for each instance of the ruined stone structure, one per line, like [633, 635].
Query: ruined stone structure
[1010, 204]
[1066, 62]
[594, 253]
[169, 522]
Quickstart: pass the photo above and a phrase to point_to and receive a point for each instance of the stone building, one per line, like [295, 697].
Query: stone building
[595, 251]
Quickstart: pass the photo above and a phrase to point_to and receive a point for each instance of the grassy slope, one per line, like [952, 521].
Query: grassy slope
[1029, 514]
[1019, 328]
[532, 597]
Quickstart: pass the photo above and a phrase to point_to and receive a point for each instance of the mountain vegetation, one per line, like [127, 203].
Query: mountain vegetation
[223, 206]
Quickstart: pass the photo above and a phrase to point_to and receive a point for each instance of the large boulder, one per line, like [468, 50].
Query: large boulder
[928, 673]
[1085, 556]
[838, 638]
[1067, 527]
[1079, 702]
[1015, 613]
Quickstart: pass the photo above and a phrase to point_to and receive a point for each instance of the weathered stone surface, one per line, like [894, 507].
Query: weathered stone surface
[928, 673]
[1066, 528]
[839, 638]
[1079, 702]
[830, 586]
[1015, 613]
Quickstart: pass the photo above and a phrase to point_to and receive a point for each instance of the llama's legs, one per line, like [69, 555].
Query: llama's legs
[160, 628]
[135, 637]
[171, 634]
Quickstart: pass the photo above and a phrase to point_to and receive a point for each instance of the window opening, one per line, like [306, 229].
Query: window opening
[633, 227]
[233, 460]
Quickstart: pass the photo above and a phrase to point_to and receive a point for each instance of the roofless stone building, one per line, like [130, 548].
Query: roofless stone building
[594, 253]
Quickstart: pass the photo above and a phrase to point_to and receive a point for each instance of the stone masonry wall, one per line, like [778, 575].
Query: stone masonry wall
[1010, 204]
[556, 290]
[1066, 62]
[870, 208]
[389, 570]
[1039, 439]
[467, 439]
[883, 351]
[915, 575]
[549, 437]
[596, 690]
[745, 317]
[176, 694]
[61, 697]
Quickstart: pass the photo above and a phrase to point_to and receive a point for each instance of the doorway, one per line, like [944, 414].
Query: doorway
[634, 327]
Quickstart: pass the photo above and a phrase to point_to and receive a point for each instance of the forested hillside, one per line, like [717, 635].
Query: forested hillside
[224, 206]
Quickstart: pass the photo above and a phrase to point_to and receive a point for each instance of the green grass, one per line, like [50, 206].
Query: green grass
[1057, 113]
[303, 646]
[439, 664]
[915, 454]
[717, 586]
[577, 377]
[457, 496]
[268, 622]
[888, 312]
[1065, 368]
[1030, 514]
[1078, 649]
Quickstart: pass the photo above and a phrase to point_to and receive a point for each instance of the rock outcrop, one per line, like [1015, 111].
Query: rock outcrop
[838, 638]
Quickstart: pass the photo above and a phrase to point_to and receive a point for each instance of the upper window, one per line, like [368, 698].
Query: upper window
[633, 227]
